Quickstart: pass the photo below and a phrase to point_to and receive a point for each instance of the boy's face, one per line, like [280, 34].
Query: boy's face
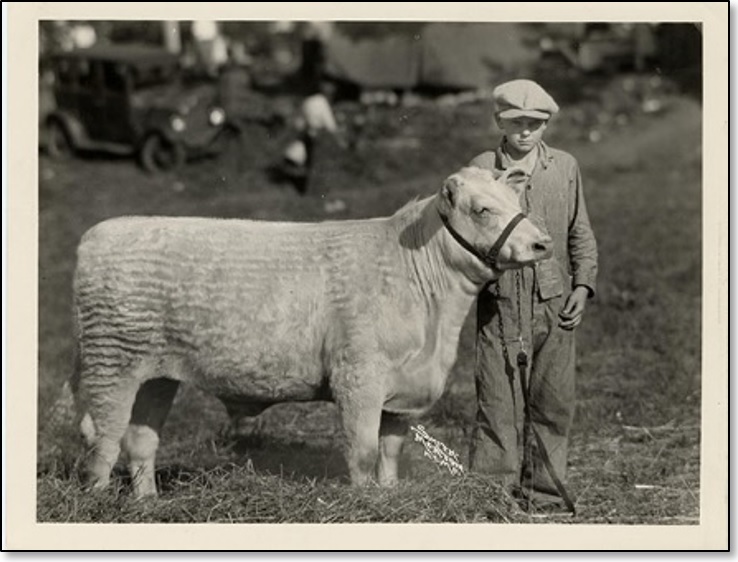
[523, 133]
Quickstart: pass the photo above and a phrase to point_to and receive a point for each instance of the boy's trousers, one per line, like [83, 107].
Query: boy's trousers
[497, 441]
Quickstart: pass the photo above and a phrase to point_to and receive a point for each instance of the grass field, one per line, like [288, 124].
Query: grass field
[635, 448]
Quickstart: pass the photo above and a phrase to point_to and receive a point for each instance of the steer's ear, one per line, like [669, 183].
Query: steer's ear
[496, 173]
[450, 193]
[516, 178]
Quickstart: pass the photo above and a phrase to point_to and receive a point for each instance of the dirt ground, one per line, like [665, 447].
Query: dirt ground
[635, 447]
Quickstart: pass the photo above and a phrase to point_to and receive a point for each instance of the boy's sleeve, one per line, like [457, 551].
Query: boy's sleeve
[582, 243]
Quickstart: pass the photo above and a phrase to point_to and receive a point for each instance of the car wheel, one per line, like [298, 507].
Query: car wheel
[229, 136]
[57, 141]
[159, 154]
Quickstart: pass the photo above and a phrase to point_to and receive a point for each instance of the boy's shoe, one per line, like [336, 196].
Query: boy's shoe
[539, 504]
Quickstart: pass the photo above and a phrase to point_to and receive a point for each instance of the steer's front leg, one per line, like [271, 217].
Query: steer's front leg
[361, 427]
[359, 401]
[362, 450]
[391, 437]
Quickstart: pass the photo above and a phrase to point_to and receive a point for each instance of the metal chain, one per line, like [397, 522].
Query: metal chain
[521, 340]
[530, 434]
[521, 364]
[500, 325]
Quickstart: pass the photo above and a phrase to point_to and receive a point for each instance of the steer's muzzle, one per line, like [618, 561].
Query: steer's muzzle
[543, 248]
[526, 246]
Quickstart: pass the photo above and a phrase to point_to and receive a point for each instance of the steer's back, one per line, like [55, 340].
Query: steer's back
[241, 308]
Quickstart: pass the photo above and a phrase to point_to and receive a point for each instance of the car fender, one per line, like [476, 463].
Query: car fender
[164, 132]
[72, 126]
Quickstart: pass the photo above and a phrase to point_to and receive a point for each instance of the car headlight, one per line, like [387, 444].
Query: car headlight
[177, 123]
[217, 116]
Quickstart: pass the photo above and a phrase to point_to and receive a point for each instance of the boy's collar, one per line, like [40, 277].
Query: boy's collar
[504, 160]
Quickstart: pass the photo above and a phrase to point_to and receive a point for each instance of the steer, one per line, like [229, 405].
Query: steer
[366, 313]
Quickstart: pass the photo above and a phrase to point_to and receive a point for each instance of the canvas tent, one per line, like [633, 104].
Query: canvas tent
[454, 56]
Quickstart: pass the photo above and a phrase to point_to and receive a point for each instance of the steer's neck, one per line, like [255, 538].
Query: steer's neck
[434, 275]
[443, 278]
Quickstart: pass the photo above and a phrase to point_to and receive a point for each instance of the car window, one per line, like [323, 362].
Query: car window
[114, 76]
[154, 75]
[85, 75]
[64, 72]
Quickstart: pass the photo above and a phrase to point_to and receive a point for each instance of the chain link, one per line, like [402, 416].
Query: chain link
[521, 340]
[501, 326]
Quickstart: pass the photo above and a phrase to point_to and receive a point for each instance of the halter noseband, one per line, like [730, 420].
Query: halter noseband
[490, 258]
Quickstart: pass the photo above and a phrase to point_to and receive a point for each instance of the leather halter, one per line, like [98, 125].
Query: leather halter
[490, 258]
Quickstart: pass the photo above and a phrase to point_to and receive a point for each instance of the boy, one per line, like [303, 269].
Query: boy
[534, 310]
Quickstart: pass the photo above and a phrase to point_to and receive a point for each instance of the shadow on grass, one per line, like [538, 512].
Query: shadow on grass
[292, 459]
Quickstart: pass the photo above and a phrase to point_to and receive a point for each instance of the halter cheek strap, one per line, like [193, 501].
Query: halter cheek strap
[490, 258]
[495, 250]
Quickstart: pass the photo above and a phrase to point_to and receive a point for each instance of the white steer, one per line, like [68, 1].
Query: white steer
[366, 313]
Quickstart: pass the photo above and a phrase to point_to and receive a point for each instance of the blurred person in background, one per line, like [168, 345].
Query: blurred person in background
[314, 124]
[242, 103]
[244, 107]
[534, 310]
[210, 46]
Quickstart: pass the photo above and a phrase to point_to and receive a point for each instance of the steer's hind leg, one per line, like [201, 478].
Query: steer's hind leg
[391, 437]
[245, 422]
[110, 402]
[153, 401]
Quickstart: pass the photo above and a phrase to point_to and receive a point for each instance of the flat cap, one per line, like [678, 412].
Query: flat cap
[523, 98]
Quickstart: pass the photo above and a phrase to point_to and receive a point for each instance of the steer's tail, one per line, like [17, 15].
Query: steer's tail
[54, 424]
[61, 413]
[62, 423]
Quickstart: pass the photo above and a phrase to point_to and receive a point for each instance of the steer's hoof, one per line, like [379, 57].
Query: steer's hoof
[389, 483]
[244, 429]
[144, 494]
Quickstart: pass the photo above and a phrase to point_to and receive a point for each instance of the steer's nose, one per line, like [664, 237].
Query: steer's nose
[543, 246]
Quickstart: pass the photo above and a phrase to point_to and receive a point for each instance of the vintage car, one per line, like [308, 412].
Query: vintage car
[131, 99]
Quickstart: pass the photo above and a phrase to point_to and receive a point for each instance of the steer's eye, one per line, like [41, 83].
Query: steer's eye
[481, 211]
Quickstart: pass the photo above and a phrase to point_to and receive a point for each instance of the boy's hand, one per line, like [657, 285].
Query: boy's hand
[571, 314]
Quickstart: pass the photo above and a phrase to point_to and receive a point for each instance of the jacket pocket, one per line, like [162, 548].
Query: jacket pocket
[549, 279]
